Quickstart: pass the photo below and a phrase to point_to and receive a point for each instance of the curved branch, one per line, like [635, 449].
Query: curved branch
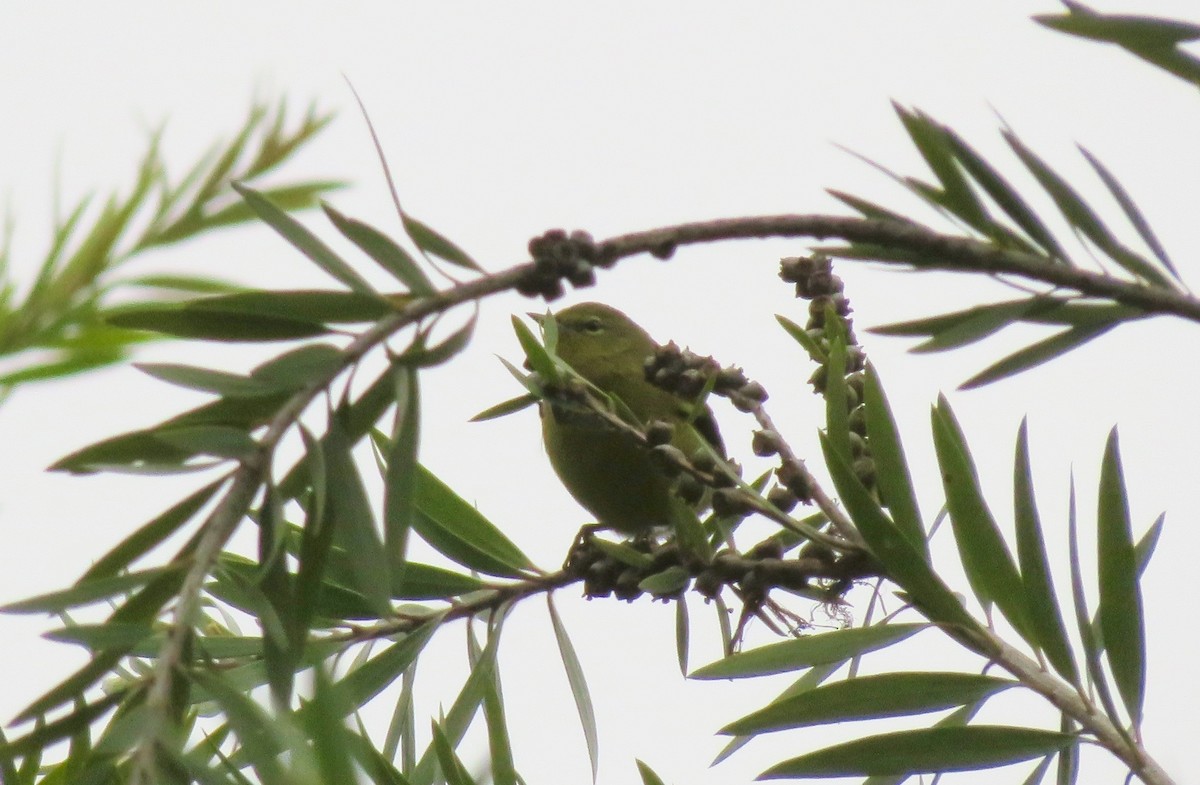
[940, 251]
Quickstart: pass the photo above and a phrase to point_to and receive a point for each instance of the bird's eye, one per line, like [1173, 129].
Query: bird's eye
[593, 325]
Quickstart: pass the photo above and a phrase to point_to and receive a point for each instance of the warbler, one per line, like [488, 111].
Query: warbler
[607, 471]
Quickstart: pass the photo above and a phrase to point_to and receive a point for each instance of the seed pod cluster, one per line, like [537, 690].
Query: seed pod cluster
[816, 282]
[558, 256]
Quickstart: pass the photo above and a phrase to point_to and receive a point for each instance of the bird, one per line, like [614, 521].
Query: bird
[606, 470]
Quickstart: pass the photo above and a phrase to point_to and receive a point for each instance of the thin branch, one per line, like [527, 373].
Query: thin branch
[940, 251]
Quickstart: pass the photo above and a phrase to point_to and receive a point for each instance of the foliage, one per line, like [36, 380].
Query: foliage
[175, 692]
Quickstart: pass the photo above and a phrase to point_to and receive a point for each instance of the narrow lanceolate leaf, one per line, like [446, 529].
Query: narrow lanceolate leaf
[303, 240]
[212, 324]
[206, 379]
[579, 688]
[801, 336]
[381, 671]
[925, 751]
[1131, 212]
[435, 244]
[353, 521]
[1088, 634]
[649, 777]
[784, 656]
[1146, 545]
[398, 501]
[871, 697]
[150, 534]
[384, 250]
[892, 475]
[1004, 195]
[453, 769]
[1050, 634]
[1035, 354]
[985, 556]
[1155, 40]
[905, 563]
[956, 195]
[132, 451]
[337, 306]
[503, 769]
[682, 635]
[535, 353]
[1081, 216]
[1120, 611]
[461, 711]
[812, 678]
[460, 532]
[505, 408]
[975, 324]
[87, 593]
[217, 440]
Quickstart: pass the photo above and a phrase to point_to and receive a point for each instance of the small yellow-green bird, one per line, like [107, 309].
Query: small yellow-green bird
[607, 472]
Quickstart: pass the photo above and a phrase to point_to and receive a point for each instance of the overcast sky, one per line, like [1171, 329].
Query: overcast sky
[504, 120]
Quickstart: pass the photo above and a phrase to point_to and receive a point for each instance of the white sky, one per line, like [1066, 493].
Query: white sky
[502, 121]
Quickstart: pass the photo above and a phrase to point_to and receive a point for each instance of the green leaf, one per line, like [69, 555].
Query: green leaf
[1153, 39]
[353, 520]
[1004, 195]
[1080, 215]
[579, 688]
[784, 656]
[870, 697]
[648, 776]
[1146, 545]
[904, 562]
[303, 240]
[150, 535]
[892, 476]
[435, 244]
[461, 712]
[386, 253]
[75, 722]
[1121, 616]
[682, 635]
[505, 408]
[312, 363]
[956, 195]
[452, 768]
[868, 209]
[378, 673]
[312, 305]
[503, 770]
[217, 440]
[103, 636]
[87, 593]
[400, 476]
[134, 450]
[1035, 354]
[425, 582]
[1046, 621]
[420, 356]
[1088, 634]
[924, 751]
[801, 336]
[1131, 212]
[985, 556]
[460, 532]
[812, 678]
[669, 582]
[535, 353]
[213, 325]
[206, 379]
